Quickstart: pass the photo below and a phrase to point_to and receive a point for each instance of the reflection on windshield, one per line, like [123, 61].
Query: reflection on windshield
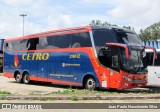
[133, 63]
[128, 38]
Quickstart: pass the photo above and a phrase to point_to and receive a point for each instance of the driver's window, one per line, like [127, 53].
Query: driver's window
[115, 58]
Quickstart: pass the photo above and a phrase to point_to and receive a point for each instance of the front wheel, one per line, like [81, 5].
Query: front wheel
[90, 84]
[26, 79]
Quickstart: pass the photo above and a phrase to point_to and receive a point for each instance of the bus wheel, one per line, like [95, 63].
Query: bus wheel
[26, 78]
[18, 78]
[90, 84]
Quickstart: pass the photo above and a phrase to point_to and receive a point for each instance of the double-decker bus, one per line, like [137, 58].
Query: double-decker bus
[89, 56]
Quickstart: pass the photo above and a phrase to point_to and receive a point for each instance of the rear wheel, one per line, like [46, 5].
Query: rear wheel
[26, 79]
[18, 78]
[90, 83]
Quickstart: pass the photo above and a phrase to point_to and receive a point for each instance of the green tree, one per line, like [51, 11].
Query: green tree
[150, 33]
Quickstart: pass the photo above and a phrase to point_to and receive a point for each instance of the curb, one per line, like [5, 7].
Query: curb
[5, 97]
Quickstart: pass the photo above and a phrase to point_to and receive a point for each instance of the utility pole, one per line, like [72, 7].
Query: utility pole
[23, 15]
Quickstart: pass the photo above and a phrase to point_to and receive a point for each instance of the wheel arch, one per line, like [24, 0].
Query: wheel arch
[24, 72]
[89, 74]
[16, 72]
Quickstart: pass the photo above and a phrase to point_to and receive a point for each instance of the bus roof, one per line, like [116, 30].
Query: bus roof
[53, 32]
[112, 27]
[66, 31]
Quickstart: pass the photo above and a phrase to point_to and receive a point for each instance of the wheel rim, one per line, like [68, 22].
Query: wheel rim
[26, 79]
[18, 77]
[91, 84]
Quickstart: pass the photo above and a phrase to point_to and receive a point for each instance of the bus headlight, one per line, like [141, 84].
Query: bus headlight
[128, 79]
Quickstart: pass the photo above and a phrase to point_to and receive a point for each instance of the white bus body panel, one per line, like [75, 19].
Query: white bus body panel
[153, 75]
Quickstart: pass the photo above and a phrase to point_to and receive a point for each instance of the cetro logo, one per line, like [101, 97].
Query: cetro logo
[16, 61]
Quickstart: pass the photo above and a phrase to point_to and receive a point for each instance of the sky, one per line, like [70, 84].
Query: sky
[45, 15]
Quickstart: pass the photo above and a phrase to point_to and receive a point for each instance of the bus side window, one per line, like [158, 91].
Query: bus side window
[8, 46]
[157, 61]
[42, 43]
[32, 43]
[149, 59]
[81, 40]
[63, 41]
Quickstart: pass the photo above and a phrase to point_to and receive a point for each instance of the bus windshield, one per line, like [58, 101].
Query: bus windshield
[133, 64]
[129, 38]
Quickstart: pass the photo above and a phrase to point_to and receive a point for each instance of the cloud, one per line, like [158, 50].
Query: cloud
[16, 2]
[43, 15]
[140, 13]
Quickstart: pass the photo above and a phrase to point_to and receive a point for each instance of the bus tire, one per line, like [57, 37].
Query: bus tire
[18, 78]
[26, 79]
[90, 83]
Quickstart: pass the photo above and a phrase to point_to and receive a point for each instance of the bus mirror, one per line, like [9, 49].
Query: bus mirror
[115, 61]
[154, 50]
[127, 48]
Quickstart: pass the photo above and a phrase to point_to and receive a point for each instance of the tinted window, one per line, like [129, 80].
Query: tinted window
[14, 45]
[23, 44]
[128, 38]
[26, 44]
[62, 41]
[65, 41]
[42, 43]
[148, 60]
[32, 43]
[8, 46]
[59, 41]
[81, 40]
[157, 61]
[101, 37]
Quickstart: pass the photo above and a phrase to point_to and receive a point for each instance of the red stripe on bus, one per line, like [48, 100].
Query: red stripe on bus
[54, 81]
[8, 74]
[57, 50]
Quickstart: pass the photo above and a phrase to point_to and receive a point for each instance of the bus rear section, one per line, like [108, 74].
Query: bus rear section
[103, 57]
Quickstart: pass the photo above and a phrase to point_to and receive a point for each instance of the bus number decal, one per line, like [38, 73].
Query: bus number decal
[74, 56]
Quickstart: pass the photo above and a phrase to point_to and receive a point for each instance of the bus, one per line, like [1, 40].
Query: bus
[153, 64]
[1, 55]
[88, 56]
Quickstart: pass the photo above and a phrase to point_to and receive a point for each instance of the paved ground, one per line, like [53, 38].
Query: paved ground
[7, 84]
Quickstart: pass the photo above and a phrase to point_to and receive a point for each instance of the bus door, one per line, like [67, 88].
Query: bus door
[109, 57]
[42, 70]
